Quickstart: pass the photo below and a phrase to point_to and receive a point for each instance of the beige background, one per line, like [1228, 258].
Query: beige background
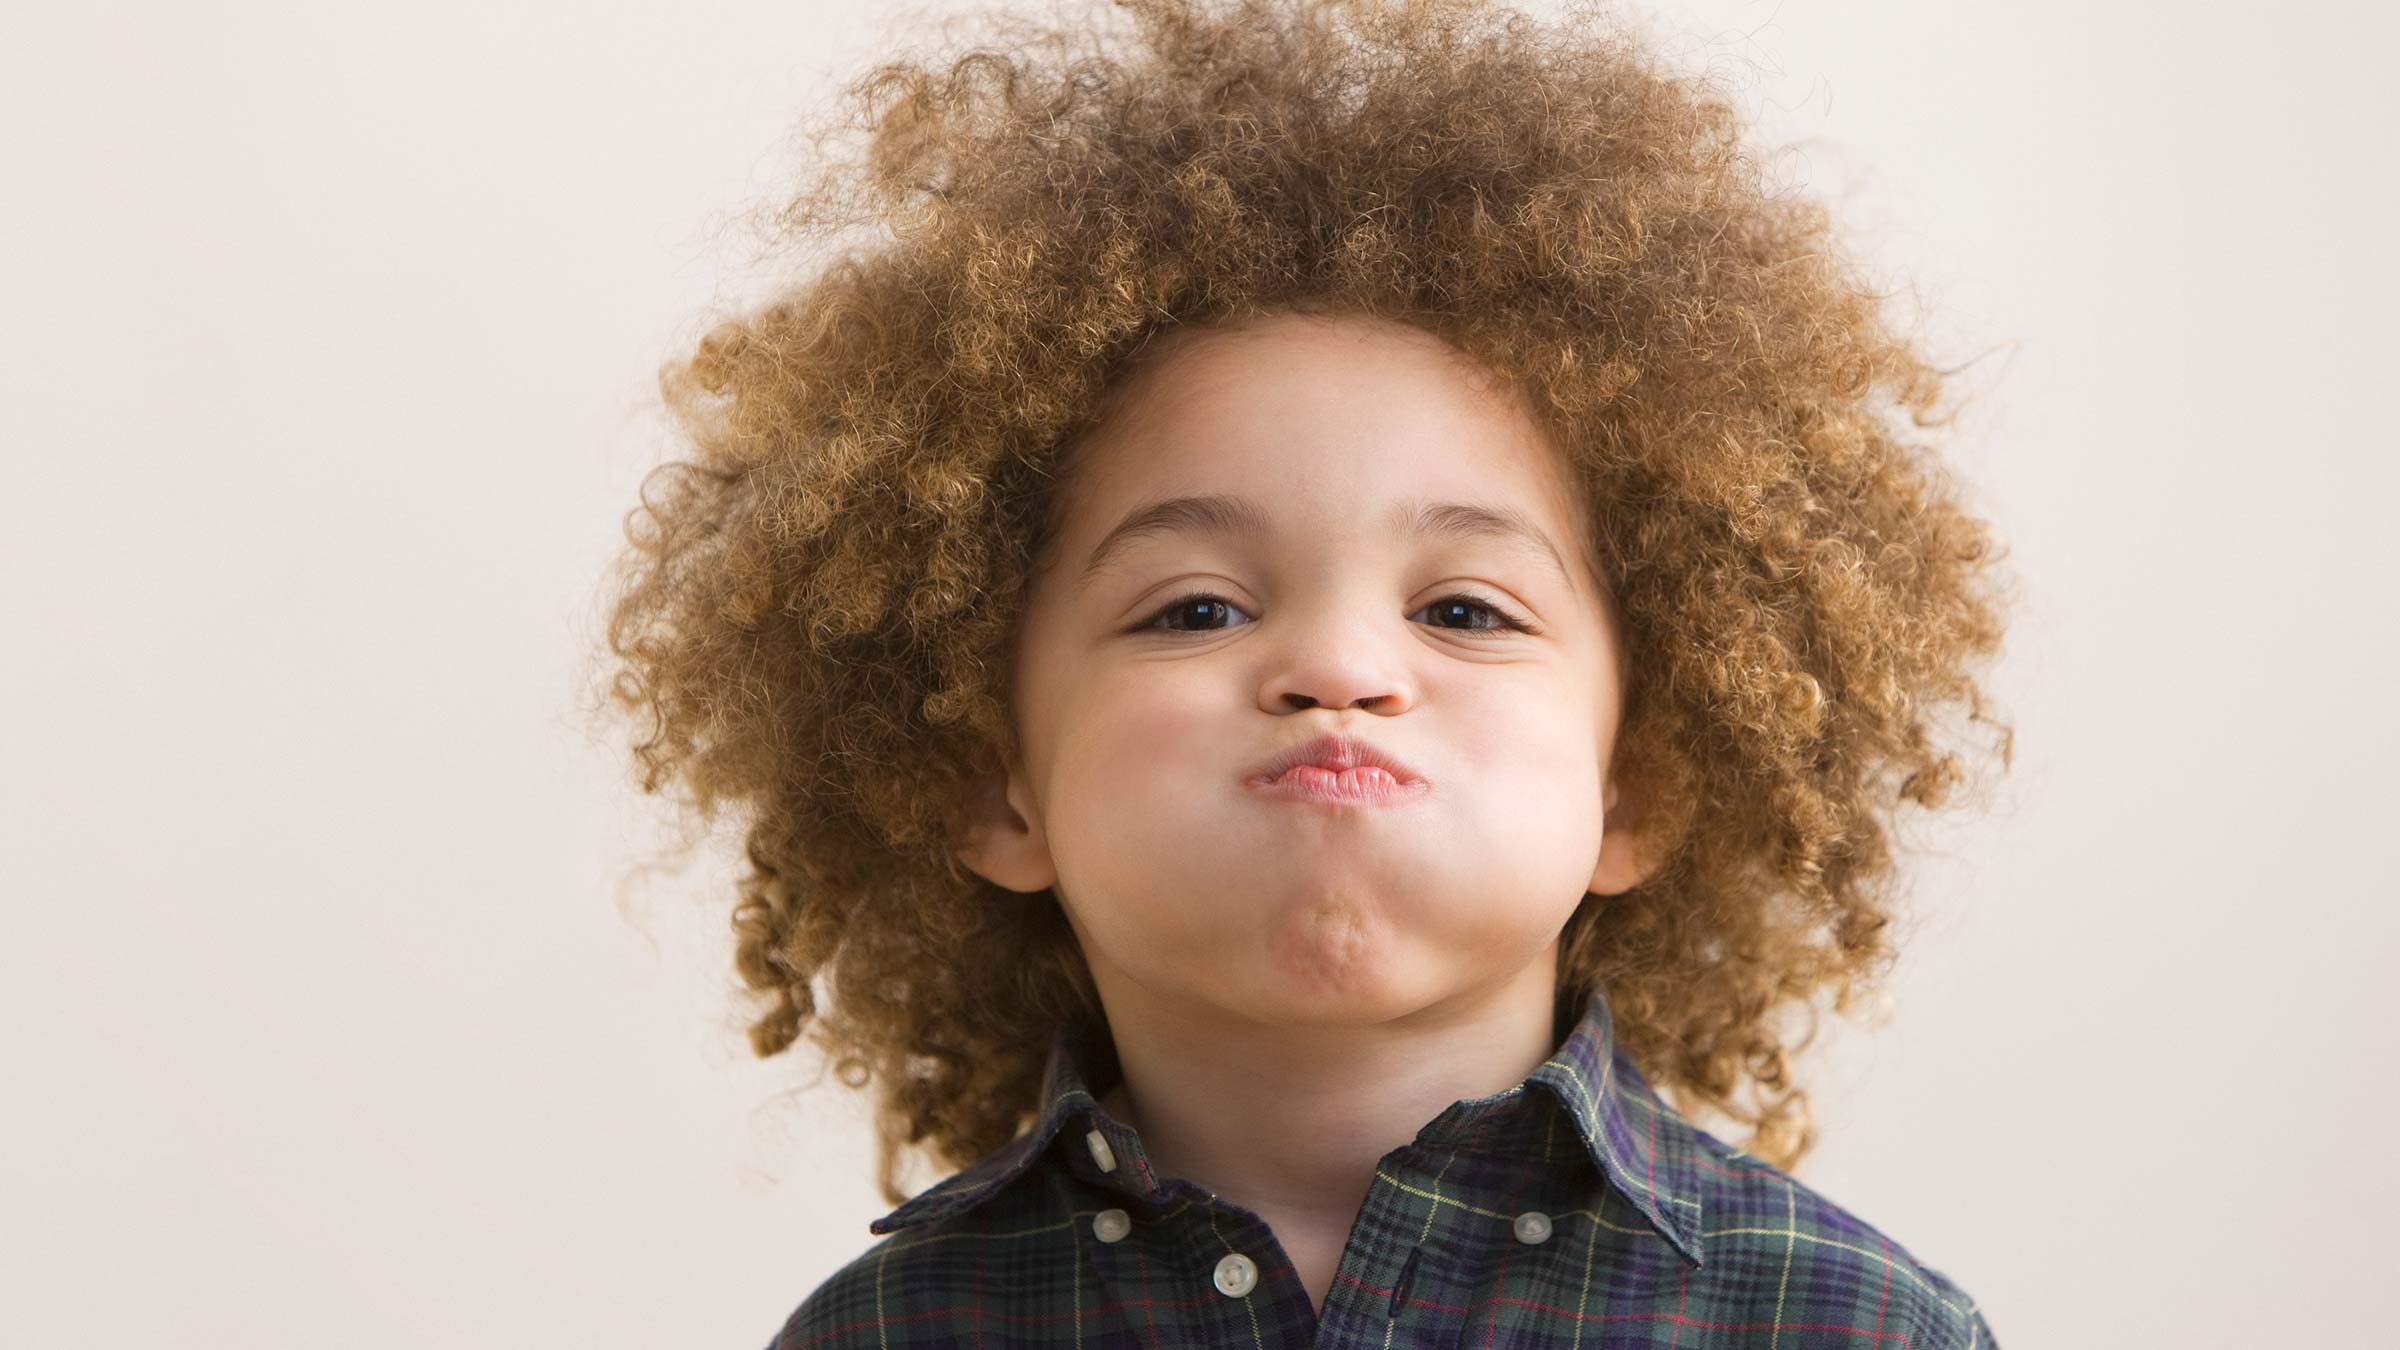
[331, 1014]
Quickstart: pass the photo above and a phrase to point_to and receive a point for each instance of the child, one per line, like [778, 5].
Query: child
[1327, 621]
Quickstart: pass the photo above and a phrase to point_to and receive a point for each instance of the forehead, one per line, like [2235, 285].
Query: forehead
[1329, 421]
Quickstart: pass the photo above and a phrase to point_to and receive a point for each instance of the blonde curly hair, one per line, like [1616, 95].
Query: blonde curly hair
[814, 616]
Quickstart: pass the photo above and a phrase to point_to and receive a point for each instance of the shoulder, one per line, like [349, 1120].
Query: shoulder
[967, 1260]
[855, 1304]
[1957, 1323]
[888, 1295]
[946, 1281]
[1770, 1234]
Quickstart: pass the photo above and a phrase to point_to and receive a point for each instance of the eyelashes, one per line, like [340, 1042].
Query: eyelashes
[1507, 620]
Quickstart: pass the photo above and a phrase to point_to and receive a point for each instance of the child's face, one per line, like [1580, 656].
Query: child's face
[1183, 881]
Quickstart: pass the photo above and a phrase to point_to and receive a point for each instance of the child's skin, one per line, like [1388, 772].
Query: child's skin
[1294, 988]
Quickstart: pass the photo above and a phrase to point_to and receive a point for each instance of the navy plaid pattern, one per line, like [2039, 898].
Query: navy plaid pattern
[1573, 1210]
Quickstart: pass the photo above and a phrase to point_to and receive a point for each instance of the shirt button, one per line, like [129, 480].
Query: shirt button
[1235, 1275]
[1110, 1225]
[1532, 1226]
[1100, 1151]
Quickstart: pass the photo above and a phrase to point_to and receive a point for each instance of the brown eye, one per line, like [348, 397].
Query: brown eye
[1200, 608]
[1451, 606]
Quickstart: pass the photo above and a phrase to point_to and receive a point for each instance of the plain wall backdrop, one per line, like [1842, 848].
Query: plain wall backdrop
[331, 1011]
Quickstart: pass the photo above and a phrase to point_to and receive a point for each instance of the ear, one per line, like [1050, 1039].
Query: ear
[1001, 839]
[1624, 859]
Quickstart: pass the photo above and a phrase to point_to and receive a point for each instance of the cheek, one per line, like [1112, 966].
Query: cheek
[1520, 728]
[1137, 766]
[1097, 724]
[1529, 765]
[1160, 724]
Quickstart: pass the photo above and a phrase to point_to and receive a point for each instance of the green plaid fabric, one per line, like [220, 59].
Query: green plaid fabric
[1573, 1210]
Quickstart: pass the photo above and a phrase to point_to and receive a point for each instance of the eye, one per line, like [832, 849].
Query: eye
[1199, 604]
[1202, 606]
[1503, 621]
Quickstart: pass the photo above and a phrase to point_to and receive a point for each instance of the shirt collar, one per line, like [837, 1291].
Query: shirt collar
[1639, 1145]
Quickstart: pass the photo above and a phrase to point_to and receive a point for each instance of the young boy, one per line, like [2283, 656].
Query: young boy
[1331, 606]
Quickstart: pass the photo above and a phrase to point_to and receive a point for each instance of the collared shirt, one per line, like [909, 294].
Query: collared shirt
[1573, 1210]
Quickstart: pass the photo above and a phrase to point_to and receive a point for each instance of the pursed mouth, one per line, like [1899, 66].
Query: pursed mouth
[1337, 758]
[1359, 785]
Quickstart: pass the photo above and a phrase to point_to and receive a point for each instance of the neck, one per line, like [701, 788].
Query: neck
[1291, 1121]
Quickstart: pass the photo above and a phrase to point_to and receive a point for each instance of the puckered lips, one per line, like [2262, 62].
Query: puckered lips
[1337, 770]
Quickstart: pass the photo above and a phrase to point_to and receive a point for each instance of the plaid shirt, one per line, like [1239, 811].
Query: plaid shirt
[1575, 1209]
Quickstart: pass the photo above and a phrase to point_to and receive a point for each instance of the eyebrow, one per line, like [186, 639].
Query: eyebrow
[1221, 514]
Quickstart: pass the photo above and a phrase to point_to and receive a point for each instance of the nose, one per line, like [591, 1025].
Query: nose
[1348, 670]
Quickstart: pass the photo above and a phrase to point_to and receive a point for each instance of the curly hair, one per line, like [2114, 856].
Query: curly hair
[815, 613]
